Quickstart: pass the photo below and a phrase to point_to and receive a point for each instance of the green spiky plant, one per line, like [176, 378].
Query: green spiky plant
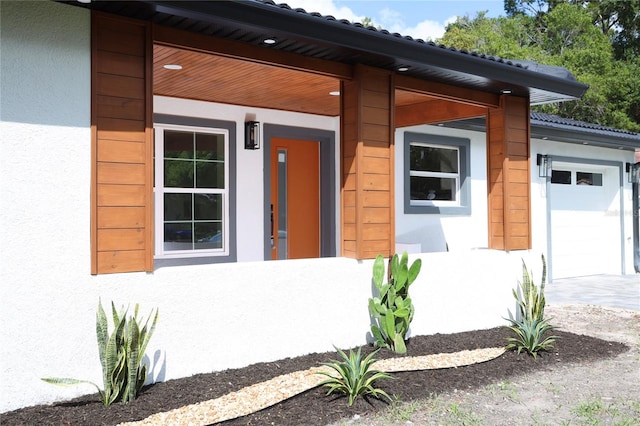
[392, 309]
[355, 377]
[530, 326]
[121, 353]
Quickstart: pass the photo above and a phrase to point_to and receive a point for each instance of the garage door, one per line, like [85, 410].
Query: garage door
[585, 220]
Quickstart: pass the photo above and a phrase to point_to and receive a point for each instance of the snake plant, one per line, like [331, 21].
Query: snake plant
[121, 352]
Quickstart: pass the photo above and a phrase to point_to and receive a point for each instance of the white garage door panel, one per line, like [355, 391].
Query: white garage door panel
[585, 225]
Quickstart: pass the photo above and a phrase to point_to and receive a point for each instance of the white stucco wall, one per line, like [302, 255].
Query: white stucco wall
[435, 232]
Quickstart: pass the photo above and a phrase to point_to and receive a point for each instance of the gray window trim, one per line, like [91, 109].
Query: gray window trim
[327, 141]
[464, 147]
[230, 126]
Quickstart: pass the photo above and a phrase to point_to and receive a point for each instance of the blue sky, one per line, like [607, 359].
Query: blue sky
[425, 19]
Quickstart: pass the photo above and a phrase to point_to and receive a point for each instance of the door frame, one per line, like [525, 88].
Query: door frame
[327, 140]
[588, 161]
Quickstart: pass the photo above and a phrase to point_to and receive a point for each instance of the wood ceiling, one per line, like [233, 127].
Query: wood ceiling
[213, 78]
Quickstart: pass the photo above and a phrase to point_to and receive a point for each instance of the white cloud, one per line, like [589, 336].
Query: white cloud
[387, 18]
[324, 7]
[426, 30]
[391, 20]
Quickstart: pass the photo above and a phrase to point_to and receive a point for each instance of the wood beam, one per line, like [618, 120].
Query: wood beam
[447, 91]
[238, 50]
[438, 111]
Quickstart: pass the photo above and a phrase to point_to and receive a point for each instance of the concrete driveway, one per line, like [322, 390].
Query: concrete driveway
[613, 291]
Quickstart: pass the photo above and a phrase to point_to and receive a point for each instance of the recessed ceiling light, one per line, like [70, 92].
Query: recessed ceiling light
[506, 91]
[269, 40]
[172, 67]
[335, 93]
[403, 69]
[84, 1]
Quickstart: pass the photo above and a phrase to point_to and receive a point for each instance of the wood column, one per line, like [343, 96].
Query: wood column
[122, 145]
[368, 218]
[509, 176]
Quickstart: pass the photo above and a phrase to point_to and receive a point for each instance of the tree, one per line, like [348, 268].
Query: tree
[617, 19]
[562, 35]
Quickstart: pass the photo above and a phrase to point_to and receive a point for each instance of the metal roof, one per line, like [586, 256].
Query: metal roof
[555, 128]
[328, 38]
[567, 130]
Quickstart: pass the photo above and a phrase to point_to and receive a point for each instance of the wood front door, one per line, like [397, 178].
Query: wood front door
[295, 199]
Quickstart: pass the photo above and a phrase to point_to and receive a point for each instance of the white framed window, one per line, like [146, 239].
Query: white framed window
[191, 190]
[436, 174]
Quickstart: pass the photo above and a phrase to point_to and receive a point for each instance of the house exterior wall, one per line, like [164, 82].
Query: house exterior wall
[48, 297]
[436, 232]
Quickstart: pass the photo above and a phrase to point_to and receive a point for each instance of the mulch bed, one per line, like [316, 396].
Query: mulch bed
[314, 407]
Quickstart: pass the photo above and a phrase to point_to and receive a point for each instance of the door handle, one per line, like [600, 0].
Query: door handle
[272, 240]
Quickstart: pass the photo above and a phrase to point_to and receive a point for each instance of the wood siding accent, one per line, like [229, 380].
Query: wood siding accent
[437, 111]
[122, 162]
[448, 91]
[509, 175]
[368, 222]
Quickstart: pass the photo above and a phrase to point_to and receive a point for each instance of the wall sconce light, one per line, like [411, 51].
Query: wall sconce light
[633, 172]
[252, 135]
[544, 165]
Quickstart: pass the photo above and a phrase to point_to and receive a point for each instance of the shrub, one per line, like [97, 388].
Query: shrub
[530, 326]
[355, 376]
[121, 355]
[392, 310]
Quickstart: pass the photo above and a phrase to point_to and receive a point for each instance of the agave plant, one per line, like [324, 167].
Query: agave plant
[121, 354]
[354, 376]
[530, 336]
[392, 309]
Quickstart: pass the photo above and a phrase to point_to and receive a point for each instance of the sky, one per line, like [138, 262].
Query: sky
[424, 19]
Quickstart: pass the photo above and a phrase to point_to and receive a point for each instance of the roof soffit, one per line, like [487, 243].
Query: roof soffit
[327, 38]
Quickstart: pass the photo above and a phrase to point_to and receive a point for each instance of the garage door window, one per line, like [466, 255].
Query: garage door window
[566, 177]
[561, 177]
[586, 178]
